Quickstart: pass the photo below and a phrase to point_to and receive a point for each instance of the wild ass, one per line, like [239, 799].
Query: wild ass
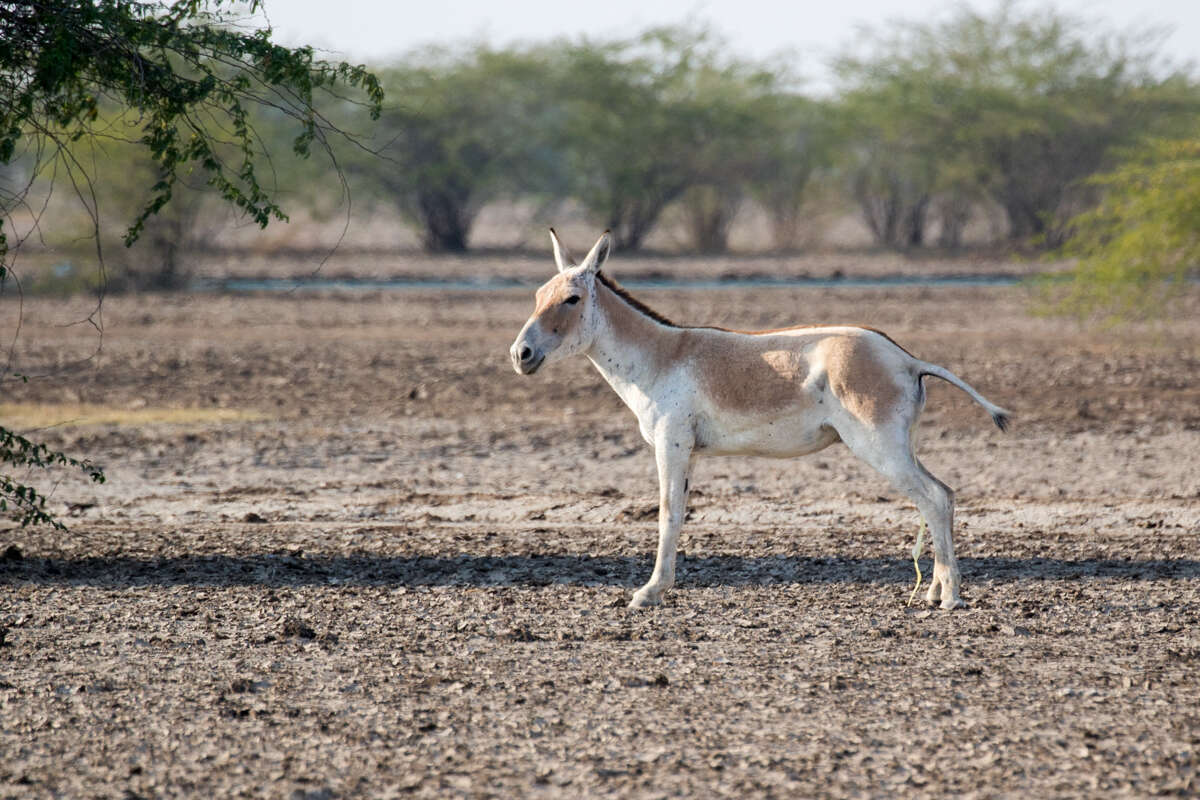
[711, 391]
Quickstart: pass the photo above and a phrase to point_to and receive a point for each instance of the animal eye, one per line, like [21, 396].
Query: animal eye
[572, 300]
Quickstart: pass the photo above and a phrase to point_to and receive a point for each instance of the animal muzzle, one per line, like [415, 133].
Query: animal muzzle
[525, 358]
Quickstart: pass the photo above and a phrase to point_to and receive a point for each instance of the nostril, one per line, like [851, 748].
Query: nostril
[526, 353]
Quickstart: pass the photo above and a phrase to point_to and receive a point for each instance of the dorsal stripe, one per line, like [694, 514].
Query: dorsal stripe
[623, 293]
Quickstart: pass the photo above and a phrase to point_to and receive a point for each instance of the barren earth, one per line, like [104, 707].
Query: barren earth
[345, 551]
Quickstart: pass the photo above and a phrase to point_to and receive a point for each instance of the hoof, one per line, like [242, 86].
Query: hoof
[951, 603]
[644, 599]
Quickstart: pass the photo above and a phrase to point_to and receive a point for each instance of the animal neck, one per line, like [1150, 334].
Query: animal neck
[633, 344]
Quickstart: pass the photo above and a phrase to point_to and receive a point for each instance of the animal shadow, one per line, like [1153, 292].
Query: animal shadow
[282, 570]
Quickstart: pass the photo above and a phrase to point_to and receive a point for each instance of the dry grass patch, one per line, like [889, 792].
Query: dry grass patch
[26, 416]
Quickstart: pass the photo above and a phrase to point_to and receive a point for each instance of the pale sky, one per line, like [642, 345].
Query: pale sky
[375, 30]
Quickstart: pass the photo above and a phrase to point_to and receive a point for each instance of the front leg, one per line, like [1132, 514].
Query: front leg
[673, 453]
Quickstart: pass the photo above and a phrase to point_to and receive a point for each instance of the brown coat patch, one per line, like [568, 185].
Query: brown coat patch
[759, 373]
[859, 377]
[740, 376]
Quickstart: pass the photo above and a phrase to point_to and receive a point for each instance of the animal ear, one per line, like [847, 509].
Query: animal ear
[599, 253]
[561, 257]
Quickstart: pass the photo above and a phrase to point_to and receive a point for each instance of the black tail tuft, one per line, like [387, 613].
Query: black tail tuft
[1002, 420]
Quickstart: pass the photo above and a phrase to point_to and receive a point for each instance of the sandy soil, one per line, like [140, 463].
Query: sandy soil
[407, 575]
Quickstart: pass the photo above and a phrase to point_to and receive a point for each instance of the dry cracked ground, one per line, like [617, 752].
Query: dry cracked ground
[344, 551]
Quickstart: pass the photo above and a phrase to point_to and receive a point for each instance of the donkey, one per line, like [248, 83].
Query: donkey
[712, 391]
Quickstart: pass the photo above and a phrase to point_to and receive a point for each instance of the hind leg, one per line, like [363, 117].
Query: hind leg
[890, 452]
[946, 578]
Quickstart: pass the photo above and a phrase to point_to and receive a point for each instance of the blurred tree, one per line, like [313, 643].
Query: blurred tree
[628, 131]
[893, 189]
[188, 75]
[1140, 244]
[722, 105]
[897, 140]
[473, 125]
[195, 223]
[1064, 96]
[119, 173]
[624, 127]
[1020, 105]
[795, 140]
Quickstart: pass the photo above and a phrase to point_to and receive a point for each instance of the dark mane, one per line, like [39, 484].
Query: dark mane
[621, 292]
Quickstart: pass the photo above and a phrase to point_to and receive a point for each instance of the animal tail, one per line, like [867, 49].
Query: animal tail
[1000, 416]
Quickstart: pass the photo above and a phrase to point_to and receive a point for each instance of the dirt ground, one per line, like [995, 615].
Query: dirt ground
[400, 569]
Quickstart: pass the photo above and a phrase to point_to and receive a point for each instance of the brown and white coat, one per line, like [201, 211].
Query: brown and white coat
[710, 391]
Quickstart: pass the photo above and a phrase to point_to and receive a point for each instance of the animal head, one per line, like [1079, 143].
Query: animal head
[565, 316]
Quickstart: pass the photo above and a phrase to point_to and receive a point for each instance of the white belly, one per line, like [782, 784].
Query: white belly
[784, 437]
